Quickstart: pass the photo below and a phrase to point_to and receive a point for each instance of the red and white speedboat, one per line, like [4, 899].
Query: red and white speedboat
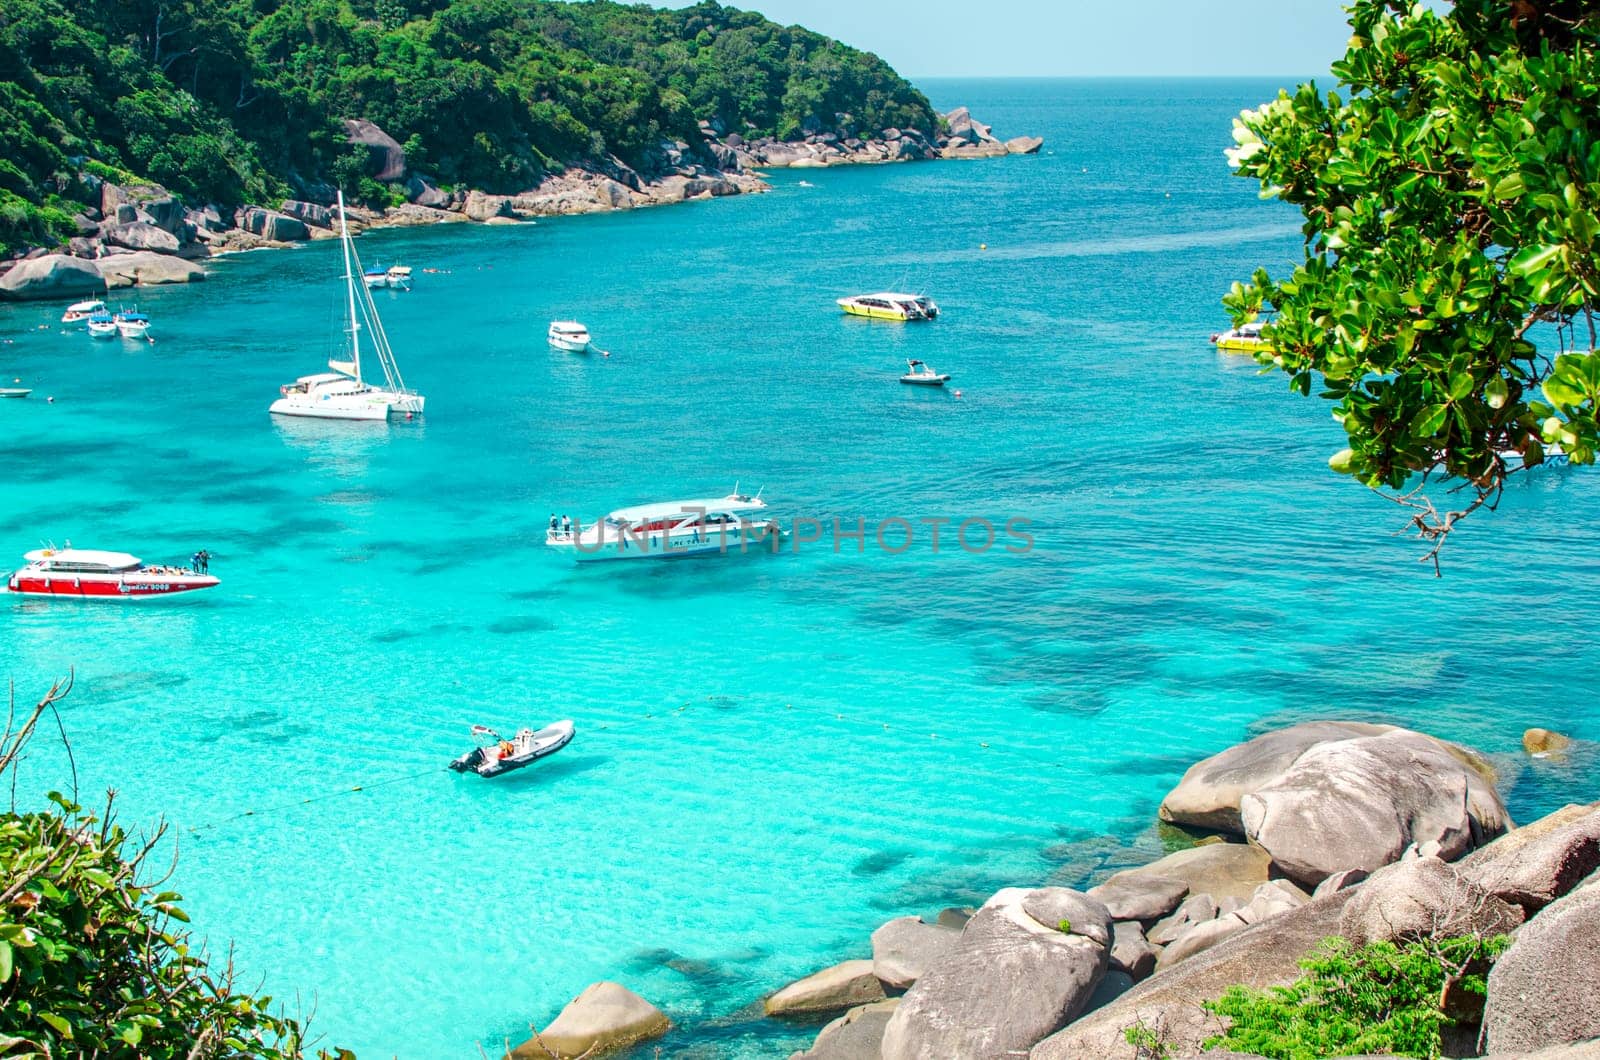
[87, 572]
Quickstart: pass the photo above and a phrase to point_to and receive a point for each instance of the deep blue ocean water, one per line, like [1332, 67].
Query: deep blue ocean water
[775, 754]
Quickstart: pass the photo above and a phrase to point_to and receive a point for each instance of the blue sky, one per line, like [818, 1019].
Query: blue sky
[1082, 38]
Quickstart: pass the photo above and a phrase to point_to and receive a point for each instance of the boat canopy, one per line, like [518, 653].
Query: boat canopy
[649, 513]
[85, 307]
[133, 317]
[399, 270]
[568, 327]
[82, 560]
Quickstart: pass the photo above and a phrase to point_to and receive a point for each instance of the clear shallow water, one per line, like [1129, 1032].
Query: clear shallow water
[775, 753]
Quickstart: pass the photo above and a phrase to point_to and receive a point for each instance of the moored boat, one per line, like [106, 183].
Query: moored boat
[86, 573]
[101, 325]
[132, 324]
[78, 312]
[397, 277]
[888, 305]
[14, 392]
[569, 335]
[1246, 338]
[505, 756]
[921, 373]
[672, 529]
[342, 394]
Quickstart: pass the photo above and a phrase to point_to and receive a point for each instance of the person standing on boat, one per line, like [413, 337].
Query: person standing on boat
[566, 526]
[205, 561]
[555, 524]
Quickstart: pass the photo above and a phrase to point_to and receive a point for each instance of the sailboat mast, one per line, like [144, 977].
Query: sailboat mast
[350, 290]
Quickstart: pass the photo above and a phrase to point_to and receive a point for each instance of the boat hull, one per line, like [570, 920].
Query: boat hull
[330, 409]
[14, 392]
[138, 585]
[875, 313]
[1229, 345]
[664, 546]
[925, 380]
[570, 345]
[102, 331]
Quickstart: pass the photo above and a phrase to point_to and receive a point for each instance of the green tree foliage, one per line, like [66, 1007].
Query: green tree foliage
[92, 960]
[1379, 998]
[234, 101]
[1451, 197]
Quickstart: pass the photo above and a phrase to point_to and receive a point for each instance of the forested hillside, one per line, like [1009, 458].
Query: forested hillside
[234, 101]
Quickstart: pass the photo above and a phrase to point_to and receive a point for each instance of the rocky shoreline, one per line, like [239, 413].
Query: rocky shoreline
[144, 235]
[1324, 830]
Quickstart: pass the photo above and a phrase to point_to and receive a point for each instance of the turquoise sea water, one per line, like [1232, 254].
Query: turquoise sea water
[775, 754]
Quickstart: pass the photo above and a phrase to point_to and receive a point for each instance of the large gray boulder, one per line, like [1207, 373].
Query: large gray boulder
[1196, 909]
[1539, 863]
[141, 235]
[1543, 989]
[1423, 898]
[270, 224]
[1360, 803]
[145, 269]
[1025, 145]
[1142, 897]
[311, 213]
[1209, 793]
[482, 207]
[385, 157]
[51, 276]
[1011, 981]
[1221, 870]
[1262, 955]
[424, 192]
[604, 1017]
[834, 989]
[1199, 938]
[906, 947]
[857, 1035]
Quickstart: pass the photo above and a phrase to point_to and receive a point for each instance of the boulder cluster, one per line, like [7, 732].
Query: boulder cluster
[1327, 829]
[144, 234]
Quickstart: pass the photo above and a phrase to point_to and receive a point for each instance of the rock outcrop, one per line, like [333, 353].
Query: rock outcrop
[1362, 802]
[1423, 898]
[51, 276]
[1536, 865]
[386, 158]
[604, 1017]
[1141, 896]
[1208, 795]
[144, 269]
[1543, 989]
[834, 989]
[906, 947]
[1544, 741]
[857, 1035]
[1260, 955]
[1221, 870]
[141, 235]
[1010, 981]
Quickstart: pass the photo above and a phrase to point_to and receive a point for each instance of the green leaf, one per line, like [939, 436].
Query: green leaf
[5, 961]
[1496, 391]
[1530, 260]
[1429, 420]
[62, 1027]
[1510, 187]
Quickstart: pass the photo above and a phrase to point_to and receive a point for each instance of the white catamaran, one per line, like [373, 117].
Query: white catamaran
[342, 394]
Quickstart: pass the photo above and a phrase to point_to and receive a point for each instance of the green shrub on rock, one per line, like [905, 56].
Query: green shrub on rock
[1378, 998]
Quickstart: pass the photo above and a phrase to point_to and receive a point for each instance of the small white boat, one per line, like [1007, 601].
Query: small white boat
[1554, 456]
[395, 277]
[569, 335]
[14, 392]
[101, 325]
[888, 305]
[921, 373]
[78, 312]
[341, 394]
[672, 529]
[504, 756]
[132, 324]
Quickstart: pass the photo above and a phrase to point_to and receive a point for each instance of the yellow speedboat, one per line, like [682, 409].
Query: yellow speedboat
[890, 306]
[1246, 338]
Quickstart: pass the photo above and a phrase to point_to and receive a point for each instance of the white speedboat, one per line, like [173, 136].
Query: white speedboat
[672, 529]
[342, 394]
[78, 312]
[132, 324]
[101, 325]
[921, 373]
[498, 755]
[888, 305]
[14, 392]
[569, 335]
